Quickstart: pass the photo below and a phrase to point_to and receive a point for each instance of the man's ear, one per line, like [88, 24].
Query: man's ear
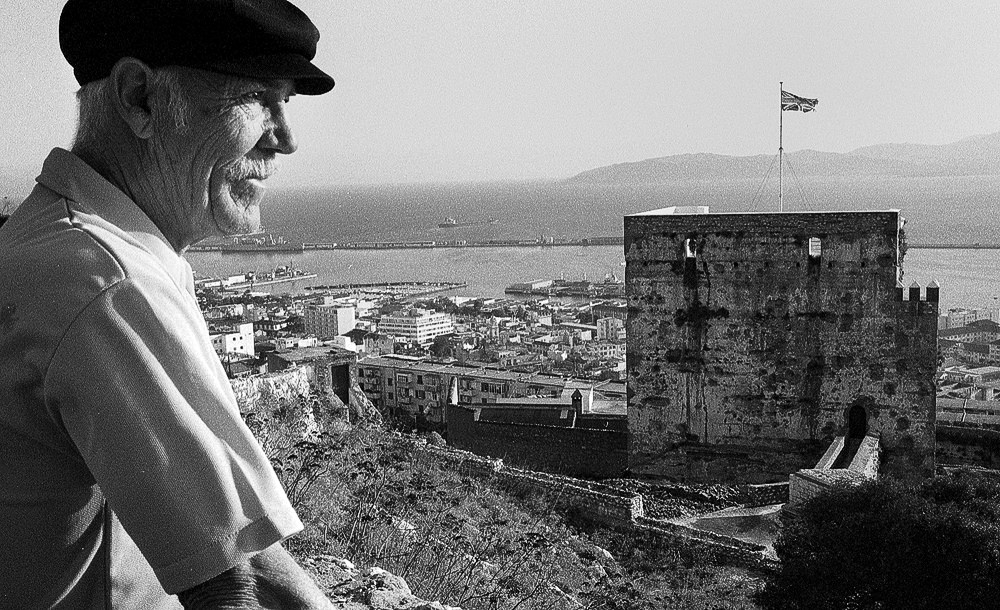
[130, 91]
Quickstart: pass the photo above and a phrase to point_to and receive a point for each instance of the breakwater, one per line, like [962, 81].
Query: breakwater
[975, 246]
[397, 289]
[406, 245]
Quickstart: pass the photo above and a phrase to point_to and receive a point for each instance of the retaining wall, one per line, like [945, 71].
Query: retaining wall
[968, 445]
[582, 452]
[593, 500]
[764, 495]
[616, 508]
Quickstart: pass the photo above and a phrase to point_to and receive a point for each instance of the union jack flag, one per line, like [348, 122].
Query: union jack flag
[794, 102]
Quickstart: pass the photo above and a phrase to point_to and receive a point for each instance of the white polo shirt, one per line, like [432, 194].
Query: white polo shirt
[111, 397]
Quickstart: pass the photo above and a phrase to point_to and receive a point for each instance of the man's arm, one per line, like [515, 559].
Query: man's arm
[270, 579]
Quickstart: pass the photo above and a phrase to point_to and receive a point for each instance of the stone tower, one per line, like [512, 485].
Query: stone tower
[755, 339]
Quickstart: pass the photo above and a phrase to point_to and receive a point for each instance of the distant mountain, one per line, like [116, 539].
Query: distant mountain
[978, 155]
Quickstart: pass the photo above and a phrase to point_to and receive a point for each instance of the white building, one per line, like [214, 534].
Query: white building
[329, 319]
[238, 340]
[287, 343]
[416, 325]
[960, 316]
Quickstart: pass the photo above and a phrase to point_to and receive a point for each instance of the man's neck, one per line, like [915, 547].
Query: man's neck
[123, 166]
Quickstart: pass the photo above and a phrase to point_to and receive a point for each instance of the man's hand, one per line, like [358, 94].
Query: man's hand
[270, 579]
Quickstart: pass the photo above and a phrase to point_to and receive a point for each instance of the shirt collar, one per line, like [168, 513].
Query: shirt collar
[70, 177]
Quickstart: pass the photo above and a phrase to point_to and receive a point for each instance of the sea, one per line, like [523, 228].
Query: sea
[937, 210]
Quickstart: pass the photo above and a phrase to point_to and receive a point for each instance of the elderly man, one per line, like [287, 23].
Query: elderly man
[128, 478]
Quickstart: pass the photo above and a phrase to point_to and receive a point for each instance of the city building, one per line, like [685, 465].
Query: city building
[961, 316]
[238, 339]
[605, 350]
[328, 368]
[328, 319]
[610, 329]
[418, 326]
[981, 331]
[609, 309]
[754, 340]
[271, 326]
[416, 386]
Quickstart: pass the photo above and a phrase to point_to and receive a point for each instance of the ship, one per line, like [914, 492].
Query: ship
[252, 279]
[451, 223]
[260, 241]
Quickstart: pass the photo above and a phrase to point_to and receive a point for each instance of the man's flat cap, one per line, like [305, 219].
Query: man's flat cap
[254, 38]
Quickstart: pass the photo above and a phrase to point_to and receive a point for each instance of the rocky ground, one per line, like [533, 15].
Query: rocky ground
[351, 588]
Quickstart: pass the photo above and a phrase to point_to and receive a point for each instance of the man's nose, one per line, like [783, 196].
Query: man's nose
[279, 136]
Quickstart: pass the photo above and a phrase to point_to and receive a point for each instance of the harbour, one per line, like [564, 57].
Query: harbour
[283, 246]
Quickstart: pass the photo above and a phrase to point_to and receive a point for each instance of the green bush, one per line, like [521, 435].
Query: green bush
[889, 545]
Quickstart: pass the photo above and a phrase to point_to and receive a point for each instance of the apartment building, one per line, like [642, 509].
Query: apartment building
[416, 326]
[610, 329]
[960, 316]
[329, 319]
[233, 340]
[975, 331]
[408, 384]
[605, 350]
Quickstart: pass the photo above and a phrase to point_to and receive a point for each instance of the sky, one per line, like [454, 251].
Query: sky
[446, 91]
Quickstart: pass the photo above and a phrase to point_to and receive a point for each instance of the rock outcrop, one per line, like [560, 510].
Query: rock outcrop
[371, 589]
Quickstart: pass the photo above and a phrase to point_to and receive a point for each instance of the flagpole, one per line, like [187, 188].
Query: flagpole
[781, 128]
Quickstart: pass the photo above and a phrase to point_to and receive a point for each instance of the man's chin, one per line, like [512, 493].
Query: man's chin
[246, 221]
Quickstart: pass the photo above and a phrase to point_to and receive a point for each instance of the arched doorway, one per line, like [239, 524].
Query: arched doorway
[857, 422]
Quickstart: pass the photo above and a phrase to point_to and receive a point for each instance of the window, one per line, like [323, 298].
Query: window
[492, 388]
[690, 250]
[815, 247]
[421, 394]
[420, 379]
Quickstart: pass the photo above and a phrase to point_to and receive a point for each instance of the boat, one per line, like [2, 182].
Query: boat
[451, 223]
[260, 241]
[280, 275]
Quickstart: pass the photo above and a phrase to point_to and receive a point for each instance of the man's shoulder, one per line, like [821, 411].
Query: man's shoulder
[42, 242]
[50, 248]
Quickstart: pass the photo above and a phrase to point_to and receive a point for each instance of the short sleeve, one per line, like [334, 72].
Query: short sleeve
[143, 396]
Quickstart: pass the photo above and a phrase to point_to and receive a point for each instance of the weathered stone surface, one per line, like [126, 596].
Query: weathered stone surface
[746, 354]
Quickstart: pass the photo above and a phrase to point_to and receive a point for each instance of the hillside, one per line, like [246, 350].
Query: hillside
[414, 521]
[979, 155]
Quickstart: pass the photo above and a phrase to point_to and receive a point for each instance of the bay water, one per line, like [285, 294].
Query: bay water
[938, 210]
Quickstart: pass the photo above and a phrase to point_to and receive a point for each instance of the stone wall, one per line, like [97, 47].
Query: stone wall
[611, 506]
[582, 452]
[747, 348]
[808, 483]
[968, 446]
[764, 495]
[590, 499]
